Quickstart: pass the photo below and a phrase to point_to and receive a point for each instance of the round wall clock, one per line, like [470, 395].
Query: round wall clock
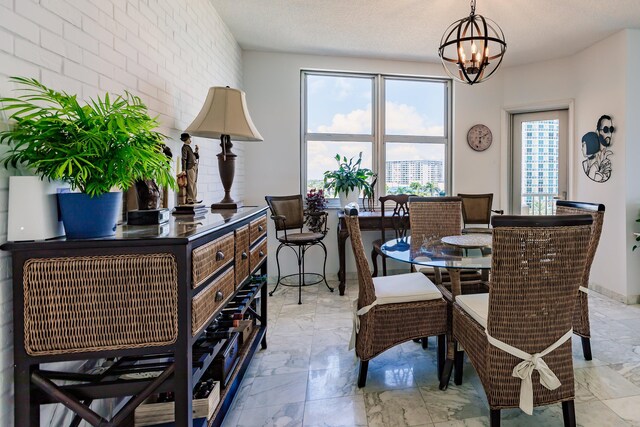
[479, 137]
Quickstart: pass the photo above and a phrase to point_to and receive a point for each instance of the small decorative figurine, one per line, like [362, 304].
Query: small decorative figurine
[189, 171]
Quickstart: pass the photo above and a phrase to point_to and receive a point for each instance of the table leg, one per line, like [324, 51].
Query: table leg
[485, 275]
[342, 239]
[454, 275]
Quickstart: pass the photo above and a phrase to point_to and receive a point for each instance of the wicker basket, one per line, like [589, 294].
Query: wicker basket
[210, 258]
[207, 302]
[258, 228]
[242, 254]
[80, 304]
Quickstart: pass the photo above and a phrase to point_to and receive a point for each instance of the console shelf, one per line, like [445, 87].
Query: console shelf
[140, 302]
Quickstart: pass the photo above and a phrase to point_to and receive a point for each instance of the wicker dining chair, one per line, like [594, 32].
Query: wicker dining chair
[476, 210]
[399, 217]
[288, 214]
[431, 219]
[581, 325]
[524, 323]
[391, 310]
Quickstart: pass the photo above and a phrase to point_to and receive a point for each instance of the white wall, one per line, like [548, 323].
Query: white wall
[167, 51]
[272, 83]
[596, 79]
[599, 80]
[632, 158]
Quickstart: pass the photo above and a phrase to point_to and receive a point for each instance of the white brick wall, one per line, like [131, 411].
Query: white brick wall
[169, 52]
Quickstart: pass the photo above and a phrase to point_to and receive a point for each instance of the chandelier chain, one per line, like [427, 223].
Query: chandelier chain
[473, 7]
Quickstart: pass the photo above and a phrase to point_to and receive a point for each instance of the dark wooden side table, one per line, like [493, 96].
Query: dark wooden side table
[369, 221]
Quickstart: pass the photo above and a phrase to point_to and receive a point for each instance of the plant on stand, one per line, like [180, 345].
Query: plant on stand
[96, 146]
[315, 216]
[349, 179]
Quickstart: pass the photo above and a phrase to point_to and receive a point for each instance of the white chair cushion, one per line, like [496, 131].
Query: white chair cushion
[409, 287]
[476, 306]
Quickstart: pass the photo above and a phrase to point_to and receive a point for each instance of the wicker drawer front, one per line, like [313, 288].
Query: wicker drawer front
[211, 299]
[210, 258]
[257, 254]
[258, 228]
[78, 304]
[242, 254]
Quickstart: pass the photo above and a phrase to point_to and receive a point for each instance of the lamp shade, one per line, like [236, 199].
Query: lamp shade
[224, 113]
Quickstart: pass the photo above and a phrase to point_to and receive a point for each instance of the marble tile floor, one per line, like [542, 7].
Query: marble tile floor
[307, 375]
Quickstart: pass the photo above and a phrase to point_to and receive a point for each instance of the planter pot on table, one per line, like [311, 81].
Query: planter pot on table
[352, 197]
[86, 217]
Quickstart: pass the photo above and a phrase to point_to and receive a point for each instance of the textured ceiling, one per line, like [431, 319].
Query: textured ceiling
[535, 30]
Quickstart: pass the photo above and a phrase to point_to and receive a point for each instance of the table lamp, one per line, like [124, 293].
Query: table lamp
[225, 115]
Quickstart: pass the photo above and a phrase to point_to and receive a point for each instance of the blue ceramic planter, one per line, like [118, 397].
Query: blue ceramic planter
[87, 217]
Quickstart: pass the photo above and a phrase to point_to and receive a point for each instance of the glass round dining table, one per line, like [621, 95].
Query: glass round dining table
[471, 253]
[466, 252]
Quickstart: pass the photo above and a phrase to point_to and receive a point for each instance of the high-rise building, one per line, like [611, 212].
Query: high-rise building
[404, 172]
[540, 160]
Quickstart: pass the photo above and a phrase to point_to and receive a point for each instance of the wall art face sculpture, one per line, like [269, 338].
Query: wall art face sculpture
[595, 149]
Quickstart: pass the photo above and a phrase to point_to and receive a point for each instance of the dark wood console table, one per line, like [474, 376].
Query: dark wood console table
[144, 297]
[369, 221]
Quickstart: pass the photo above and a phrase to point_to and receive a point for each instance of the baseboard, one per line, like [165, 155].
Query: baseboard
[625, 299]
[630, 299]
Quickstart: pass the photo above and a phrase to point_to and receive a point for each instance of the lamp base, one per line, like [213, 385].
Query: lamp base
[231, 205]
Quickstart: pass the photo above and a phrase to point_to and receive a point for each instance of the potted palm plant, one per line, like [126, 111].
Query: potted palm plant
[107, 143]
[349, 179]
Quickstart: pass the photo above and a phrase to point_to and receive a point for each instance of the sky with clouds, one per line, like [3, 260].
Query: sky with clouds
[343, 105]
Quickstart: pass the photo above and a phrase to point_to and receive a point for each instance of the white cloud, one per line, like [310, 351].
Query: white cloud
[321, 155]
[355, 122]
[401, 119]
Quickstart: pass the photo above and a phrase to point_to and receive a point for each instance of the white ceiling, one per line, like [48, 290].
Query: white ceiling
[535, 30]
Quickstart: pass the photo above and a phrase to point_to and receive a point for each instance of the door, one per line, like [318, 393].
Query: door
[539, 161]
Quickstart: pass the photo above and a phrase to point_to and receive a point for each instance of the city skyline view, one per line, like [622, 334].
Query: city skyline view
[540, 150]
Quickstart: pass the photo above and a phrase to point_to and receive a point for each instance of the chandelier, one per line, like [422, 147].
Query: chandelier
[472, 48]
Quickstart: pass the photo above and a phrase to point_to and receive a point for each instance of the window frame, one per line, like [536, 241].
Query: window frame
[378, 137]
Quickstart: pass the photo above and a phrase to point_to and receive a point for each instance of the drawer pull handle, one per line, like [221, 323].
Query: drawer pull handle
[261, 254]
[260, 228]
[219, 256]
[244, 255]
[219, 296]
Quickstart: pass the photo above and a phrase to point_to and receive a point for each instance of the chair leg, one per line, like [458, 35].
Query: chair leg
[569, 413]
[277, 264]
[494, 417]
[458, 362]
[300, 272]
[586, 348]
[384, 265]
[447, 367]
[442, 349]
[374, 261]
[324, 266]
[362, 373]
[425, 342]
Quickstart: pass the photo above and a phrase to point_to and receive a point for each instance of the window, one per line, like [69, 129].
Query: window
[400, 124]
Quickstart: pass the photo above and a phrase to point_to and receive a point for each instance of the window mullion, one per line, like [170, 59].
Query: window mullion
[379, 139]
[338, 137]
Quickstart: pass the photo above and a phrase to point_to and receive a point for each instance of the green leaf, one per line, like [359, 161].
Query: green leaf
[108, 142]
